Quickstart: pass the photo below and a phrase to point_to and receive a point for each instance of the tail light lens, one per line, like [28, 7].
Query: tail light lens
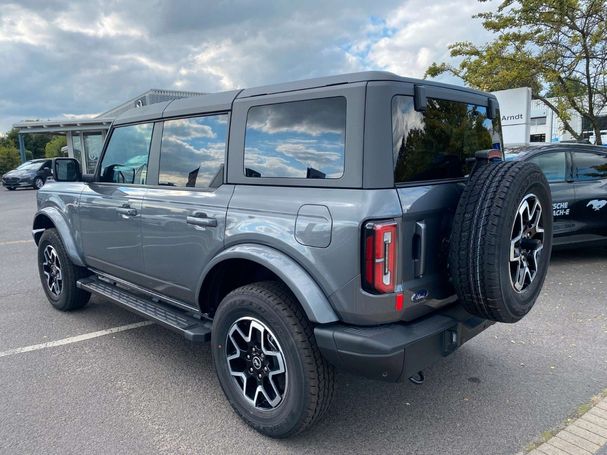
[380, 256]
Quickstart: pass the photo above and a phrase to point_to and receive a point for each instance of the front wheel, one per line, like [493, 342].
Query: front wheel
[10, 188]
[38, 183]
[267, 360]
[59, 275]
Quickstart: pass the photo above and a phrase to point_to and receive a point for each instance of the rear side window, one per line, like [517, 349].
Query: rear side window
[436, 144]
[589, 166]
[193, 151]
[553, 165]
[126, 157]
[299, 139]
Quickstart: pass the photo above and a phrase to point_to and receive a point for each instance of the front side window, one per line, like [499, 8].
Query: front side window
[299, 139]
[126, 157]
[439, 143]
[553, 165]
[193, 151]
[589, 166]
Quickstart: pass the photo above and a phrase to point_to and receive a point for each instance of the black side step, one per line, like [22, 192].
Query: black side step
[193, 329]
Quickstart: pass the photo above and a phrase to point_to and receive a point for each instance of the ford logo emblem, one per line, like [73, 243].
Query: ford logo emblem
[420, 295]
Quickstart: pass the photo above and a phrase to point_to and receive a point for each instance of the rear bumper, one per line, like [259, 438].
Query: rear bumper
[394, 352]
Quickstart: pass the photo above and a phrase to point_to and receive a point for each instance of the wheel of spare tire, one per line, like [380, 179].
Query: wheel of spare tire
[501, 240]
[267, 360]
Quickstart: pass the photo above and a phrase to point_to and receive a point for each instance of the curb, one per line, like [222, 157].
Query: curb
[585, 436]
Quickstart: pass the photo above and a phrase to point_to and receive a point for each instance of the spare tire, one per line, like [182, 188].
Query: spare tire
[501, 240]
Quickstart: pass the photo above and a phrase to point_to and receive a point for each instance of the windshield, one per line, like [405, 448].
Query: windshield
[439, 143]
[30, 166]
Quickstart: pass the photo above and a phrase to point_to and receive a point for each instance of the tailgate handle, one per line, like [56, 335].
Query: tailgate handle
[419, 249]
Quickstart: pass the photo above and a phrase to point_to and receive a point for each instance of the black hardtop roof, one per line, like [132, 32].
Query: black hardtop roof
[223, 100]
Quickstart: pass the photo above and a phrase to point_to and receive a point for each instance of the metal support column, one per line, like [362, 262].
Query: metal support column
[22, 148]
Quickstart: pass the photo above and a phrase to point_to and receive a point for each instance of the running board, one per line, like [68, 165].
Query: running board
[180, 321]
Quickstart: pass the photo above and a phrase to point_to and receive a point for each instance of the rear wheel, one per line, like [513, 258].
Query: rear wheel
[267, 361]
[59, 275]
[501, 240]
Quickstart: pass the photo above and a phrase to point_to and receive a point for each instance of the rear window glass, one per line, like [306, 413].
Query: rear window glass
[438, 143]
[299, 139]
[590, 166]
[192, 151]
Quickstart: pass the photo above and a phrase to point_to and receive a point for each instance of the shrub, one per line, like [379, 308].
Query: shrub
[53, 147]
[9, 159]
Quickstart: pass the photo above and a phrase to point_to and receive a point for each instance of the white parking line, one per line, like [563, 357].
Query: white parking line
[76, 339]
[14, 242]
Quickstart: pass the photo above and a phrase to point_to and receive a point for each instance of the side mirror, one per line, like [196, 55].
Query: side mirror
[66, 170]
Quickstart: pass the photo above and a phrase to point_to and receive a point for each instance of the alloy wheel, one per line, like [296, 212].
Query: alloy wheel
[526, 243]
[52, 271]
[256, 363]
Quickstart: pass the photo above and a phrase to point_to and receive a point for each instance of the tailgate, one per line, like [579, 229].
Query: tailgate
[428, 213]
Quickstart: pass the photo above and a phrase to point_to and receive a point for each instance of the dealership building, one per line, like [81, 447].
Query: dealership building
[525, 120]
[85, 136]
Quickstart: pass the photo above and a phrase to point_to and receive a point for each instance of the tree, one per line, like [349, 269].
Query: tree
[9, 158]
[556, 47]
[53, 147]
[35, 143]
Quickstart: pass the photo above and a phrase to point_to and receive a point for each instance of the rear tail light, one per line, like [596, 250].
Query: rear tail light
[380, 256]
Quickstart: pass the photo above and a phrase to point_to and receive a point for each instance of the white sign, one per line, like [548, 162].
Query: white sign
[515, 109]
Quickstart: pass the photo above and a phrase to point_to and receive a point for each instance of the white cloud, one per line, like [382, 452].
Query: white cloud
[63, 56]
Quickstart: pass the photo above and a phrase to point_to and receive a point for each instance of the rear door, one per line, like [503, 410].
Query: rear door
[590, 181]
[110, 207]
[433, 152]
[183, 217]
[556, 166]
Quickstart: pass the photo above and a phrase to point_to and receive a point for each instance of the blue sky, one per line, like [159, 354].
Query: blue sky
[71, 58]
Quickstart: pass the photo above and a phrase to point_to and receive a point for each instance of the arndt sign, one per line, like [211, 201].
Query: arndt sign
[515, 108]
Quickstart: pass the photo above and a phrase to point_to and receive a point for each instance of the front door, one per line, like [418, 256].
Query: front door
[110, 207]
[183, 218]
[556, 166]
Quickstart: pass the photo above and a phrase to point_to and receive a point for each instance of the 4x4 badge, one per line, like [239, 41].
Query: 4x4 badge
[596, 204]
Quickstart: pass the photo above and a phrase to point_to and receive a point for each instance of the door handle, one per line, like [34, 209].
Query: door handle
[127, 210]
[201, 219]
[420, 238]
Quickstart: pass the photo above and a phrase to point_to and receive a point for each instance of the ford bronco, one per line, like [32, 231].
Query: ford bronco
[365, 222]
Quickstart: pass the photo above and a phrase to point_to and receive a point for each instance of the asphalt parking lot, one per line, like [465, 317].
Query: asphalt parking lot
[147, 390]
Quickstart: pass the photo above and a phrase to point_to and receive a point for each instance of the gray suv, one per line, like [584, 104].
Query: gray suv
[364, 221]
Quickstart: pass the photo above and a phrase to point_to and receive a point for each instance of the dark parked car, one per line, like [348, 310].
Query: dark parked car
[577, 175]
[30, 174]
[365, 222]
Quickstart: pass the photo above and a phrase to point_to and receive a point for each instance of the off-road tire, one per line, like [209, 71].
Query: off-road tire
[310, 378]
[70, 297]
[479, 249]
